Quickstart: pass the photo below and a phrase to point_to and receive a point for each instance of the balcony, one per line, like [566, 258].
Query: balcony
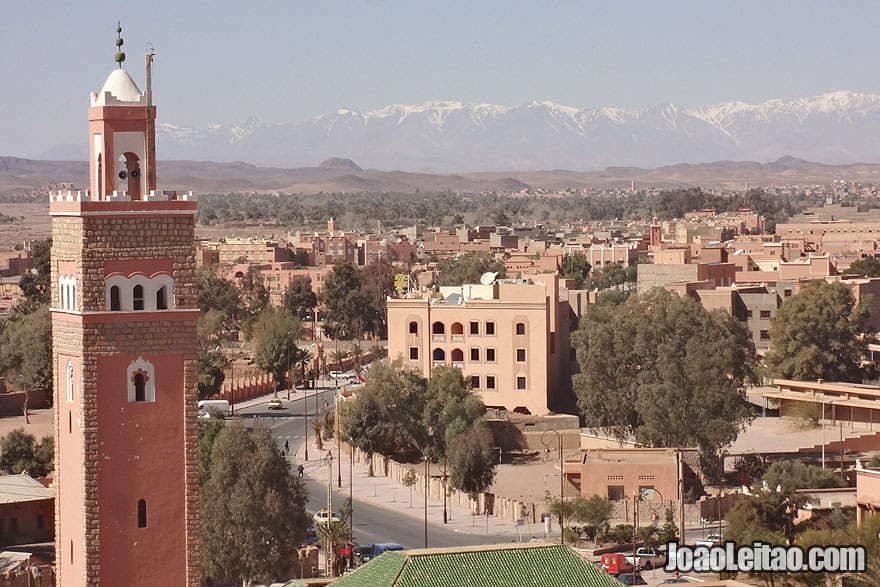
[457, 337]
[459, 364]
[439, 363]
[438, 337]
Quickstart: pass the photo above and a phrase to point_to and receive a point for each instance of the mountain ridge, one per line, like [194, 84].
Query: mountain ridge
[19, 176]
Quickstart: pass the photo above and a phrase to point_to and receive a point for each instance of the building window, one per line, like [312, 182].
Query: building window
[490, 355]
[765, 314]
[787, 293]
[457, 329]
[69, 381]
[490, 382]
[520, 328]
[137, 297]
[414, 353]
[490, 329]
[764, 335]
[115, 305]
[475, 328]
[438, 328]
[520, 355]
[140, 387]
[475, 382]
[520, 382]
[615, 492]
[439, 355]
[413, 327]
[748, 313]
[141, 381]
[142, 514]
[475, 355]
[162, 298]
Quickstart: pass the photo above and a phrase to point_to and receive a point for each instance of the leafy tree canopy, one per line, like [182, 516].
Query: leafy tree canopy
[794, 475]
[869, 267]
[34, 284]
[218, 294]
[253, 510]
[467, 268]
[610, 276]
[665, 370]
[26, 349]
[815, 335]
[575, 266]
[472, 460]
[450, 408]
[276, 332]
[299, 297]
[21, 453]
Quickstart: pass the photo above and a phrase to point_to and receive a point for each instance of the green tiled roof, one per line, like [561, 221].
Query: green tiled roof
[521, 565]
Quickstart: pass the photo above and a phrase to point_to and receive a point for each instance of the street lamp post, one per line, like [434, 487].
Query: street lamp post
[331, 551]
[338, 441]
[561, 481]
[445, 480]
[426, 500]
[306, 425]
[351, 502]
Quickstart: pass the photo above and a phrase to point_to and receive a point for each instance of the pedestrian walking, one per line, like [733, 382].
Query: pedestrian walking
[286, 447]
[300, 470]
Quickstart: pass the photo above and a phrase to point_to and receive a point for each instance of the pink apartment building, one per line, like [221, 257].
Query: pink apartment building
[509, 337]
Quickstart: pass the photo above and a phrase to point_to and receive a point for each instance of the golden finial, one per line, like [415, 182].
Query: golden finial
[120, 55]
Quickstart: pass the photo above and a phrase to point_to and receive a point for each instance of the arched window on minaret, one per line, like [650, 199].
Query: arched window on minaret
[138, 297]
[115, 304]
[140, 387]
[142, 514]
[99, 178]
[162, 298]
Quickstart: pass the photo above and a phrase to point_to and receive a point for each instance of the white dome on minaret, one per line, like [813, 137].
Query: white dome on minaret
[119, 89]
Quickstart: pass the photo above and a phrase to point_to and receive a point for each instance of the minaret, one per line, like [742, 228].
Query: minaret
[124, 314]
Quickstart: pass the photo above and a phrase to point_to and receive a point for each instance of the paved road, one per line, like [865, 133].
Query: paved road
[371, 523]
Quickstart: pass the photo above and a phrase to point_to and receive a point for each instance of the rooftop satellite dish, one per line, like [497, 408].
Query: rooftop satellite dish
[488, 278]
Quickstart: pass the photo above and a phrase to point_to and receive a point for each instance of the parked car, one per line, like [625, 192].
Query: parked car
[615, 563]
[631, 579]
[324, 516]
[275, 404]
[711, 540]
[647, 558]
[311, 537]
[338, 375]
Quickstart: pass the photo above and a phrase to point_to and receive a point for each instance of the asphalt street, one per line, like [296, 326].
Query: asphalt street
[371, 523]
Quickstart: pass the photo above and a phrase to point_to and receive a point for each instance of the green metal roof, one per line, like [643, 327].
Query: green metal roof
[522, 565]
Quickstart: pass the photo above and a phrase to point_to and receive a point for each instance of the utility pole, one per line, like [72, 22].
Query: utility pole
[681, 495]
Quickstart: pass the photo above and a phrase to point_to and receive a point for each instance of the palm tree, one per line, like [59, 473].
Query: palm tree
[338, 357]
[303, 358]
[357, 352]
[332, 533]
[318, 426]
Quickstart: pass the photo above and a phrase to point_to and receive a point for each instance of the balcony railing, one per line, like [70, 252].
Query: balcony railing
[457, 337]
[438, 337]
[459, 364]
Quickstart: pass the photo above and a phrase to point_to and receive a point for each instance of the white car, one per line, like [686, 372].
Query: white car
[337, 375]
[711, 540]
[275, 404]
[324, 516]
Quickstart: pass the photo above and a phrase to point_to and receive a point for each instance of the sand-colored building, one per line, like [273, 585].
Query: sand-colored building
[509, 337]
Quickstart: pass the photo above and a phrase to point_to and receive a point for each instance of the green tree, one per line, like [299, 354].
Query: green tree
[815, 335]
[594, 512]
[26, 351]
[331, 534]
[349, 313]
[610, 276]
[450, 409]
[612, 297]
[575, 266]
[218, 294]
[212, 374]
[409, 479]
[209, 429]
[793, 475]
[34, 284]
[663, 369]
[377, 281]
[468, 267]
[254, 294]
[20, 453]
[386, 414]
[299, 297]
[472, 460]
[253, 510]
[276, 332]
[869, 267]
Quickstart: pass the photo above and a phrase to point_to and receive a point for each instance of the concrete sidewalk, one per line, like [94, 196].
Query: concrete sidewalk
[385, 493]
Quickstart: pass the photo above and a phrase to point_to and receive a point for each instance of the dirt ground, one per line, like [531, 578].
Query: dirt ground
[40, 423]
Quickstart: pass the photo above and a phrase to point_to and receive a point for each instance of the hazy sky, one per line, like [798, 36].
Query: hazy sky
[220, 61]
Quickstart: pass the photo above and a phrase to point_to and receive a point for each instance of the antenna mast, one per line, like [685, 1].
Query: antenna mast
[150, 174]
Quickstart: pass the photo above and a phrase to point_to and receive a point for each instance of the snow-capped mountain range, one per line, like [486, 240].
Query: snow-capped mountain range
[839, 127]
